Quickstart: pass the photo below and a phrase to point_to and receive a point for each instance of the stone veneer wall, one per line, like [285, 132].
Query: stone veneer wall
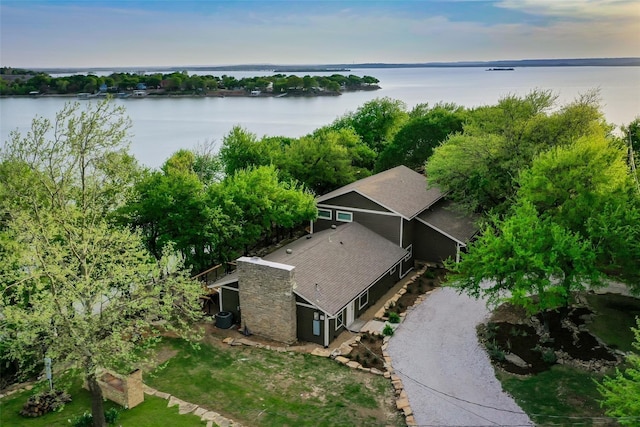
[267, 301]
[125, 390]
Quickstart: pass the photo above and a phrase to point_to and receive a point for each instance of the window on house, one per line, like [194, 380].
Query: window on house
[363, 300]
[393, 271]
[339, 320]
[324, 214]
[344, 216]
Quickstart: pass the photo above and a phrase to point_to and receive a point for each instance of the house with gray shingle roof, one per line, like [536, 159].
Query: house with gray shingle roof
[367, 236]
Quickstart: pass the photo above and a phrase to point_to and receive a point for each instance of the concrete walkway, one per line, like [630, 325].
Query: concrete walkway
[436, 353]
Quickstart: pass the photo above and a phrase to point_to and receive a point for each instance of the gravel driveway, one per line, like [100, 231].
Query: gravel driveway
[436, 348]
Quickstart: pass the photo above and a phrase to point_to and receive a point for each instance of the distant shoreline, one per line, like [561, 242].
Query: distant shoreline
[158, 94]
[570, 62]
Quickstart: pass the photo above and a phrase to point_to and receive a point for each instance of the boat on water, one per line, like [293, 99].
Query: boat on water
[500, 69]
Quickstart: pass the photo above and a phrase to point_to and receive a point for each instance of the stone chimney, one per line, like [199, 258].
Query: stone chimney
[267, 301]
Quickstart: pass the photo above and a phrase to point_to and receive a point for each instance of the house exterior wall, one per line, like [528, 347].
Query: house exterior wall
[432, 246]
[267, 300]
[230, 301]
[305, 320]
[388, 226]
[354, 200]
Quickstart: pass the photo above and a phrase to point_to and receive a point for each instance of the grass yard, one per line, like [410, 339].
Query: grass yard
[259, 387]
[552, 397]
[152, 413]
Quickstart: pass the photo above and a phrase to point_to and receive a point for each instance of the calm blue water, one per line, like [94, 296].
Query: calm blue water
[162, 126]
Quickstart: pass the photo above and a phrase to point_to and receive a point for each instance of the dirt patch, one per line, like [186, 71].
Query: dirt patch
[429, 280]
[368, 352]
[529, 345]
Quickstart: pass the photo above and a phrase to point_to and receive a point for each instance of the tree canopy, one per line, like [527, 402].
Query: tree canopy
[574, 222]
[86, 292]
[479, 167]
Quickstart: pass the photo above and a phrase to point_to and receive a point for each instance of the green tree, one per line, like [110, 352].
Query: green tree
[171, 206]
[242, 149]
[327, 159]
[259, 203]
[526, 255]
[92, 292]
[376, 121]
[621, 393]
[415, 141]
[479, 167]
[587, 188]
[574, 222]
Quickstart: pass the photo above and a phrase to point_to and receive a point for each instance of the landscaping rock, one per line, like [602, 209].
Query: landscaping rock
[342, 359]
[162, 395]
[516, 360]
[322, 352]
[354, 365]
[401, 404]
[376, 371]
[199, 411]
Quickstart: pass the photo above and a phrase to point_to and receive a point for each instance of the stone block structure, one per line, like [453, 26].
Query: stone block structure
[267, 301]
[125, 390]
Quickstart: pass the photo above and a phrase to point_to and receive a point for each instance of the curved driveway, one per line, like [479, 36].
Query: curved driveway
[435, 350]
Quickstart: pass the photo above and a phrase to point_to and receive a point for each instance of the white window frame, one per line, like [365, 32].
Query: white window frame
[410, 254]
[393, 270]
[360, 303]
[329, 211]
[340, 320]
[350, 214]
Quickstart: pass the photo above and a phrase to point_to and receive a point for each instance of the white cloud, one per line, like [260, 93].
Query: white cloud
[583, 9]
[81, 37]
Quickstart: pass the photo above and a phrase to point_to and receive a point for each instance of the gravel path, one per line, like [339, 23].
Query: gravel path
[436, 348]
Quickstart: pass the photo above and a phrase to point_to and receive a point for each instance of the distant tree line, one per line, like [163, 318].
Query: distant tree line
[23, 82]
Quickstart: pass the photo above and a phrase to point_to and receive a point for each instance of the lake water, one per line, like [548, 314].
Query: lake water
[162, 126]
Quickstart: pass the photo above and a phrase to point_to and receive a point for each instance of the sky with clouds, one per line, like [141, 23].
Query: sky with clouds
[122, 33]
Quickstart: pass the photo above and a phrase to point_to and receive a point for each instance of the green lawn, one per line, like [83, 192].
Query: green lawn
[553, 397]
[265, 388]
[615, 316]
[151, 413]
[252, 386]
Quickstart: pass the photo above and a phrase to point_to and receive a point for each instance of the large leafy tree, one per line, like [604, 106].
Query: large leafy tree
[621, 393]
[171, 206]
[89, 293]
[414, 143]
[260, 203]
[376, 121]
[523, 255]
[242, 149]
[327, 159]
[479, 168]
[574, 222]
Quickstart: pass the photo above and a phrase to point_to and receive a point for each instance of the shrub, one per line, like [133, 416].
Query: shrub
[549, 356]
[495, 352]
[430, 274]
[394, 317]
[111, 416]
[84, 420]
[388, 330]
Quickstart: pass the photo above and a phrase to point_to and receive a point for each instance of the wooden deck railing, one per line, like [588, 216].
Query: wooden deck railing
[216, 272]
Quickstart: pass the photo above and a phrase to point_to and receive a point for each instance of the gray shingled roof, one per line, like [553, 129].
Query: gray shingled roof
[444, 217]
[400, 190]
[343, 262]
